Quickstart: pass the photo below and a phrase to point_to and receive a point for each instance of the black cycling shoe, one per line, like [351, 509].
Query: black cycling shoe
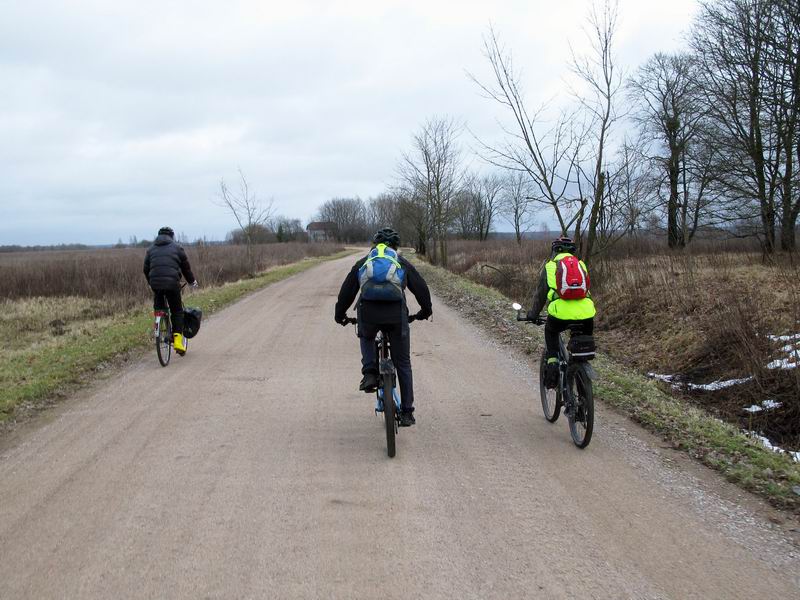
[551, 376]
[407, 419]
[369, 383]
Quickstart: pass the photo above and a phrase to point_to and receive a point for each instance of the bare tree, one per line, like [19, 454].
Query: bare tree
[598, 71]
[251, 213]
[670, 113]
[546, 153]
[350, 217]
[465, 217]
[783, 52]
[731, 43]
[432, 170]
[516, 204]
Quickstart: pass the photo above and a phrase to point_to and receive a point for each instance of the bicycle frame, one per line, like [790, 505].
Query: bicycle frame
[386, 367]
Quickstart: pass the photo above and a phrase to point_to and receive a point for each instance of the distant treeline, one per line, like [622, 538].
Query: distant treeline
[18, 248]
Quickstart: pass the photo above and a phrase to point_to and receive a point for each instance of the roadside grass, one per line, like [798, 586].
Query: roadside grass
[717, 444]
[46, 357]
[704, 315]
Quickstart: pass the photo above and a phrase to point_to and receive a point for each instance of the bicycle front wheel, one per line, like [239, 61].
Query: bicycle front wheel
[389, 414]
[581, 417]
[551, 400]
[163, 337]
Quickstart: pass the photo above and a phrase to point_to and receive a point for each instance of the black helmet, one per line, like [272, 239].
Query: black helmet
[167, 231]
[564, 244]
[387, 236]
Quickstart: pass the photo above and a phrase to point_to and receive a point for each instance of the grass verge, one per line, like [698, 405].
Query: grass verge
[719, 445]
[28, 378]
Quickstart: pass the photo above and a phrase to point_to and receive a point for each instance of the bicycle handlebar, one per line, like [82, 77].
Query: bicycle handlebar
[352, 321]
[538, 320]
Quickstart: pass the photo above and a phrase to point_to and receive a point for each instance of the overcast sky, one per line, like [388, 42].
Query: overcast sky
[119, 117]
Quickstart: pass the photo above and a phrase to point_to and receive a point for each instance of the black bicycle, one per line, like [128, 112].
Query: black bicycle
[574, 390]
[162, 333]
[387, 388]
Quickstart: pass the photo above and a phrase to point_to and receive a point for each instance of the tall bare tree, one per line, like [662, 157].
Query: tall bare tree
[432, 169]
[546, 152]
[731, 44]
[516, 204]
[350, 217]
[599, 73]
[251, 213]
[670, 113]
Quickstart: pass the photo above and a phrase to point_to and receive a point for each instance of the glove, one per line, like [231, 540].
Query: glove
[422, 316]
[195, 285]
[341, 319]
[531, 316]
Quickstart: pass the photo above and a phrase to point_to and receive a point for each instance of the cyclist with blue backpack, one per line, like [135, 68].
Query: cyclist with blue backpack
[382, 278]
[564, 283]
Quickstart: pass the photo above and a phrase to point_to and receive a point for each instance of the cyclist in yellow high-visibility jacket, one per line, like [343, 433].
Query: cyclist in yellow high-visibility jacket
[575, 315]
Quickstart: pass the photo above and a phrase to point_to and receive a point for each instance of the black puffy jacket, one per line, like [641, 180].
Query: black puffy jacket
[164, 263]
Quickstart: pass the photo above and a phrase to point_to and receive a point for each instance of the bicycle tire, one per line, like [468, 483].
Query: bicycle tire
[551, 407]
[163, 343]
[581, 418]
[389, 414]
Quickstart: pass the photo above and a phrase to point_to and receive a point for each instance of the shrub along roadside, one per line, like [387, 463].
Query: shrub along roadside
[718, 445]
[29, 378]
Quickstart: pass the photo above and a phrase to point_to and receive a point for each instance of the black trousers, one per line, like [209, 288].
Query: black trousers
[400, 347]
[555, 326]
[162, 298]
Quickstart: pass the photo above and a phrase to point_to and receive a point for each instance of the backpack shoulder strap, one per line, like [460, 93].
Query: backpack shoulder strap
[381, 248]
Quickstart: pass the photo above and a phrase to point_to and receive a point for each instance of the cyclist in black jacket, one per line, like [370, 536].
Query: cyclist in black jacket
[164, 264]
[392, 318]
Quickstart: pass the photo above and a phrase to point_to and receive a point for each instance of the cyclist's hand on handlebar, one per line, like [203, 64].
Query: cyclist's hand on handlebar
[421, 316]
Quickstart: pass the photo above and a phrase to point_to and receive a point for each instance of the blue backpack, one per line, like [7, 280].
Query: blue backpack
[382, 277]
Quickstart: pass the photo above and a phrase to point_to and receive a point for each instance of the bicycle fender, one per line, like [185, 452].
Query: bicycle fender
[590, 372]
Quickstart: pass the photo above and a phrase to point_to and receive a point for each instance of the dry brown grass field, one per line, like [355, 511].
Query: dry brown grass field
[713, 313]
[115, 275]
[46, 294]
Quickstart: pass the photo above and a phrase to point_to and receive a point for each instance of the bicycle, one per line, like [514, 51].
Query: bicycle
[162, 333]
[574, 391]
[387, 388]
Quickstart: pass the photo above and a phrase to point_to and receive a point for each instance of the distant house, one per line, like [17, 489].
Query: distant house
[321, 231]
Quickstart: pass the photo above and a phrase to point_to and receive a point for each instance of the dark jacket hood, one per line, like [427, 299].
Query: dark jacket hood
[163, 240]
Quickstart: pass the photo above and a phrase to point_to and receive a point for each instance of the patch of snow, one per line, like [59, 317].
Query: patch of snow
[765, 405]
[717, 385]
[795, 456]
[782, 363]
[784, 338]
[667, 378]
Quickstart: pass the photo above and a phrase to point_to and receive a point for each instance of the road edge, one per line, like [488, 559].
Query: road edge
[716, 444]
[52, 374]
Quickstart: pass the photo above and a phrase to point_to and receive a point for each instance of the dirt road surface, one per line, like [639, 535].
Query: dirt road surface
[252, 468]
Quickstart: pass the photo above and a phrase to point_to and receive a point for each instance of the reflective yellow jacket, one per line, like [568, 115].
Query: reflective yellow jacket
[566, 310]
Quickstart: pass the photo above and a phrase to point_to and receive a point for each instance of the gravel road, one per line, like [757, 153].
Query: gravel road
[252, 468]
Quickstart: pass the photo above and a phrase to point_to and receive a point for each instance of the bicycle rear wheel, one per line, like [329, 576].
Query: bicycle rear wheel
[551, 399]
[163, 337]
[389, 414]
[581, 417]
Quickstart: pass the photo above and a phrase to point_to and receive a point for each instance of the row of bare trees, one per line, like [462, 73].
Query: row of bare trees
[716, 138]
[704, 139]
[436, 197]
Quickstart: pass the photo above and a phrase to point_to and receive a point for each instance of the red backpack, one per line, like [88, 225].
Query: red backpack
[572, 280]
